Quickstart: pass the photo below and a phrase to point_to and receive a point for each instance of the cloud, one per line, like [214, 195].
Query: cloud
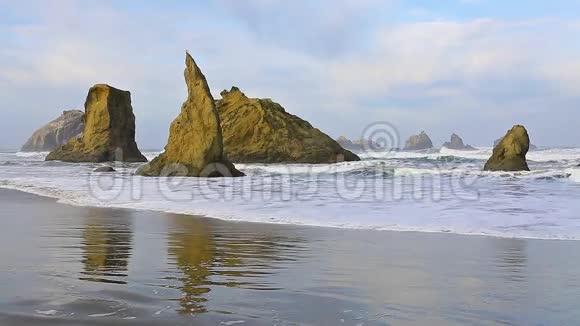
[433, 52]
[322, 28]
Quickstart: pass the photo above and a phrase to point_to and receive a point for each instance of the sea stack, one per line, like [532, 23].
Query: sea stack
[56, 133]
[418, 142]
[261, 131]
[532, 146]
[457, 143]
[109, 131]
[195, 145]
[510, 153]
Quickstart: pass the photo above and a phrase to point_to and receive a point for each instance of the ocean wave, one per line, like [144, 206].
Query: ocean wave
[359, 167]
[10, 163]
[150, 155]
[469, 173]
[36, 155]
[574, 174]
[443, 156]
[417, 220]
[481, 154]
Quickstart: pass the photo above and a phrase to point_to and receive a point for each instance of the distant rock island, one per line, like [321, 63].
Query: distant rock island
[457, 143]
[56, 133]
[195, 145]
[510, 153]
[359, 145]
[259, 130]
[532, 146]
[109, 131]
[418, 142]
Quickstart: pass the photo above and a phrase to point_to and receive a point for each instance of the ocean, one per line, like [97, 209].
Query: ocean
[439, 190]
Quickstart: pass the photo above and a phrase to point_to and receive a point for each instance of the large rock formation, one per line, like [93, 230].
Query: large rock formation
[457, 143]
[359, 145]
[510, 153]
[260, 130]
[56, 133]
[109, 132]
[195, 146]
[418, 142]
[532, 146]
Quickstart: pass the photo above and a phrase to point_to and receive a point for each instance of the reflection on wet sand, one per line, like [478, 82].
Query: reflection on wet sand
[208, 257]
[107, 244]
[512, 259]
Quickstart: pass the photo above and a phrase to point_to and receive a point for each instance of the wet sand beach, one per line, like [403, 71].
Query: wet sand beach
[69, 265]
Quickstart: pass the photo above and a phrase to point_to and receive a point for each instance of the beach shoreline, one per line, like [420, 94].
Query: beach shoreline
[58, 200]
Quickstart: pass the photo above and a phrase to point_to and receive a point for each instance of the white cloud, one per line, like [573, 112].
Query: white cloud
[461, 53]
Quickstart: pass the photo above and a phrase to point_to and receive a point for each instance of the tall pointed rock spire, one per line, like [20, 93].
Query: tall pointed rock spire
[195, 146]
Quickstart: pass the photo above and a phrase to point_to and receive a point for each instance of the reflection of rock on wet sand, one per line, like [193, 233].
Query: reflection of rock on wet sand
[107, 246]
[512, 258]
[194, 253]
[210, 258]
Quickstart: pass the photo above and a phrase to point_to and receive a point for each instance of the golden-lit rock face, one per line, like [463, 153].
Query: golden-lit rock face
[109, 132]
[510, 153]
[195, 145]
[260, 130]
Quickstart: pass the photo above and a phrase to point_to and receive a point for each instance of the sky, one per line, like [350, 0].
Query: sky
[473, 67]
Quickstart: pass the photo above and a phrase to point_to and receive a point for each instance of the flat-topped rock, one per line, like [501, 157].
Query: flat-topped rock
[510, 153]
[109, 131]
[261, 131]
[195, 145]
[56, 133]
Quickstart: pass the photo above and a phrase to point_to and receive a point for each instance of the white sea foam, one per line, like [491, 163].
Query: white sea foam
[47, 312]
[288, 169]
[544, 155]
[574, 174]
[36, 155]
[151, 155]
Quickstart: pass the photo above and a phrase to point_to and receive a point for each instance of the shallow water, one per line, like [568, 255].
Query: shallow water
[433, 191]
[75, 265]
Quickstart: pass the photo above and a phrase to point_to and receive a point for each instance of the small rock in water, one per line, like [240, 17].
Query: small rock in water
[104, 169]
[510, 153]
